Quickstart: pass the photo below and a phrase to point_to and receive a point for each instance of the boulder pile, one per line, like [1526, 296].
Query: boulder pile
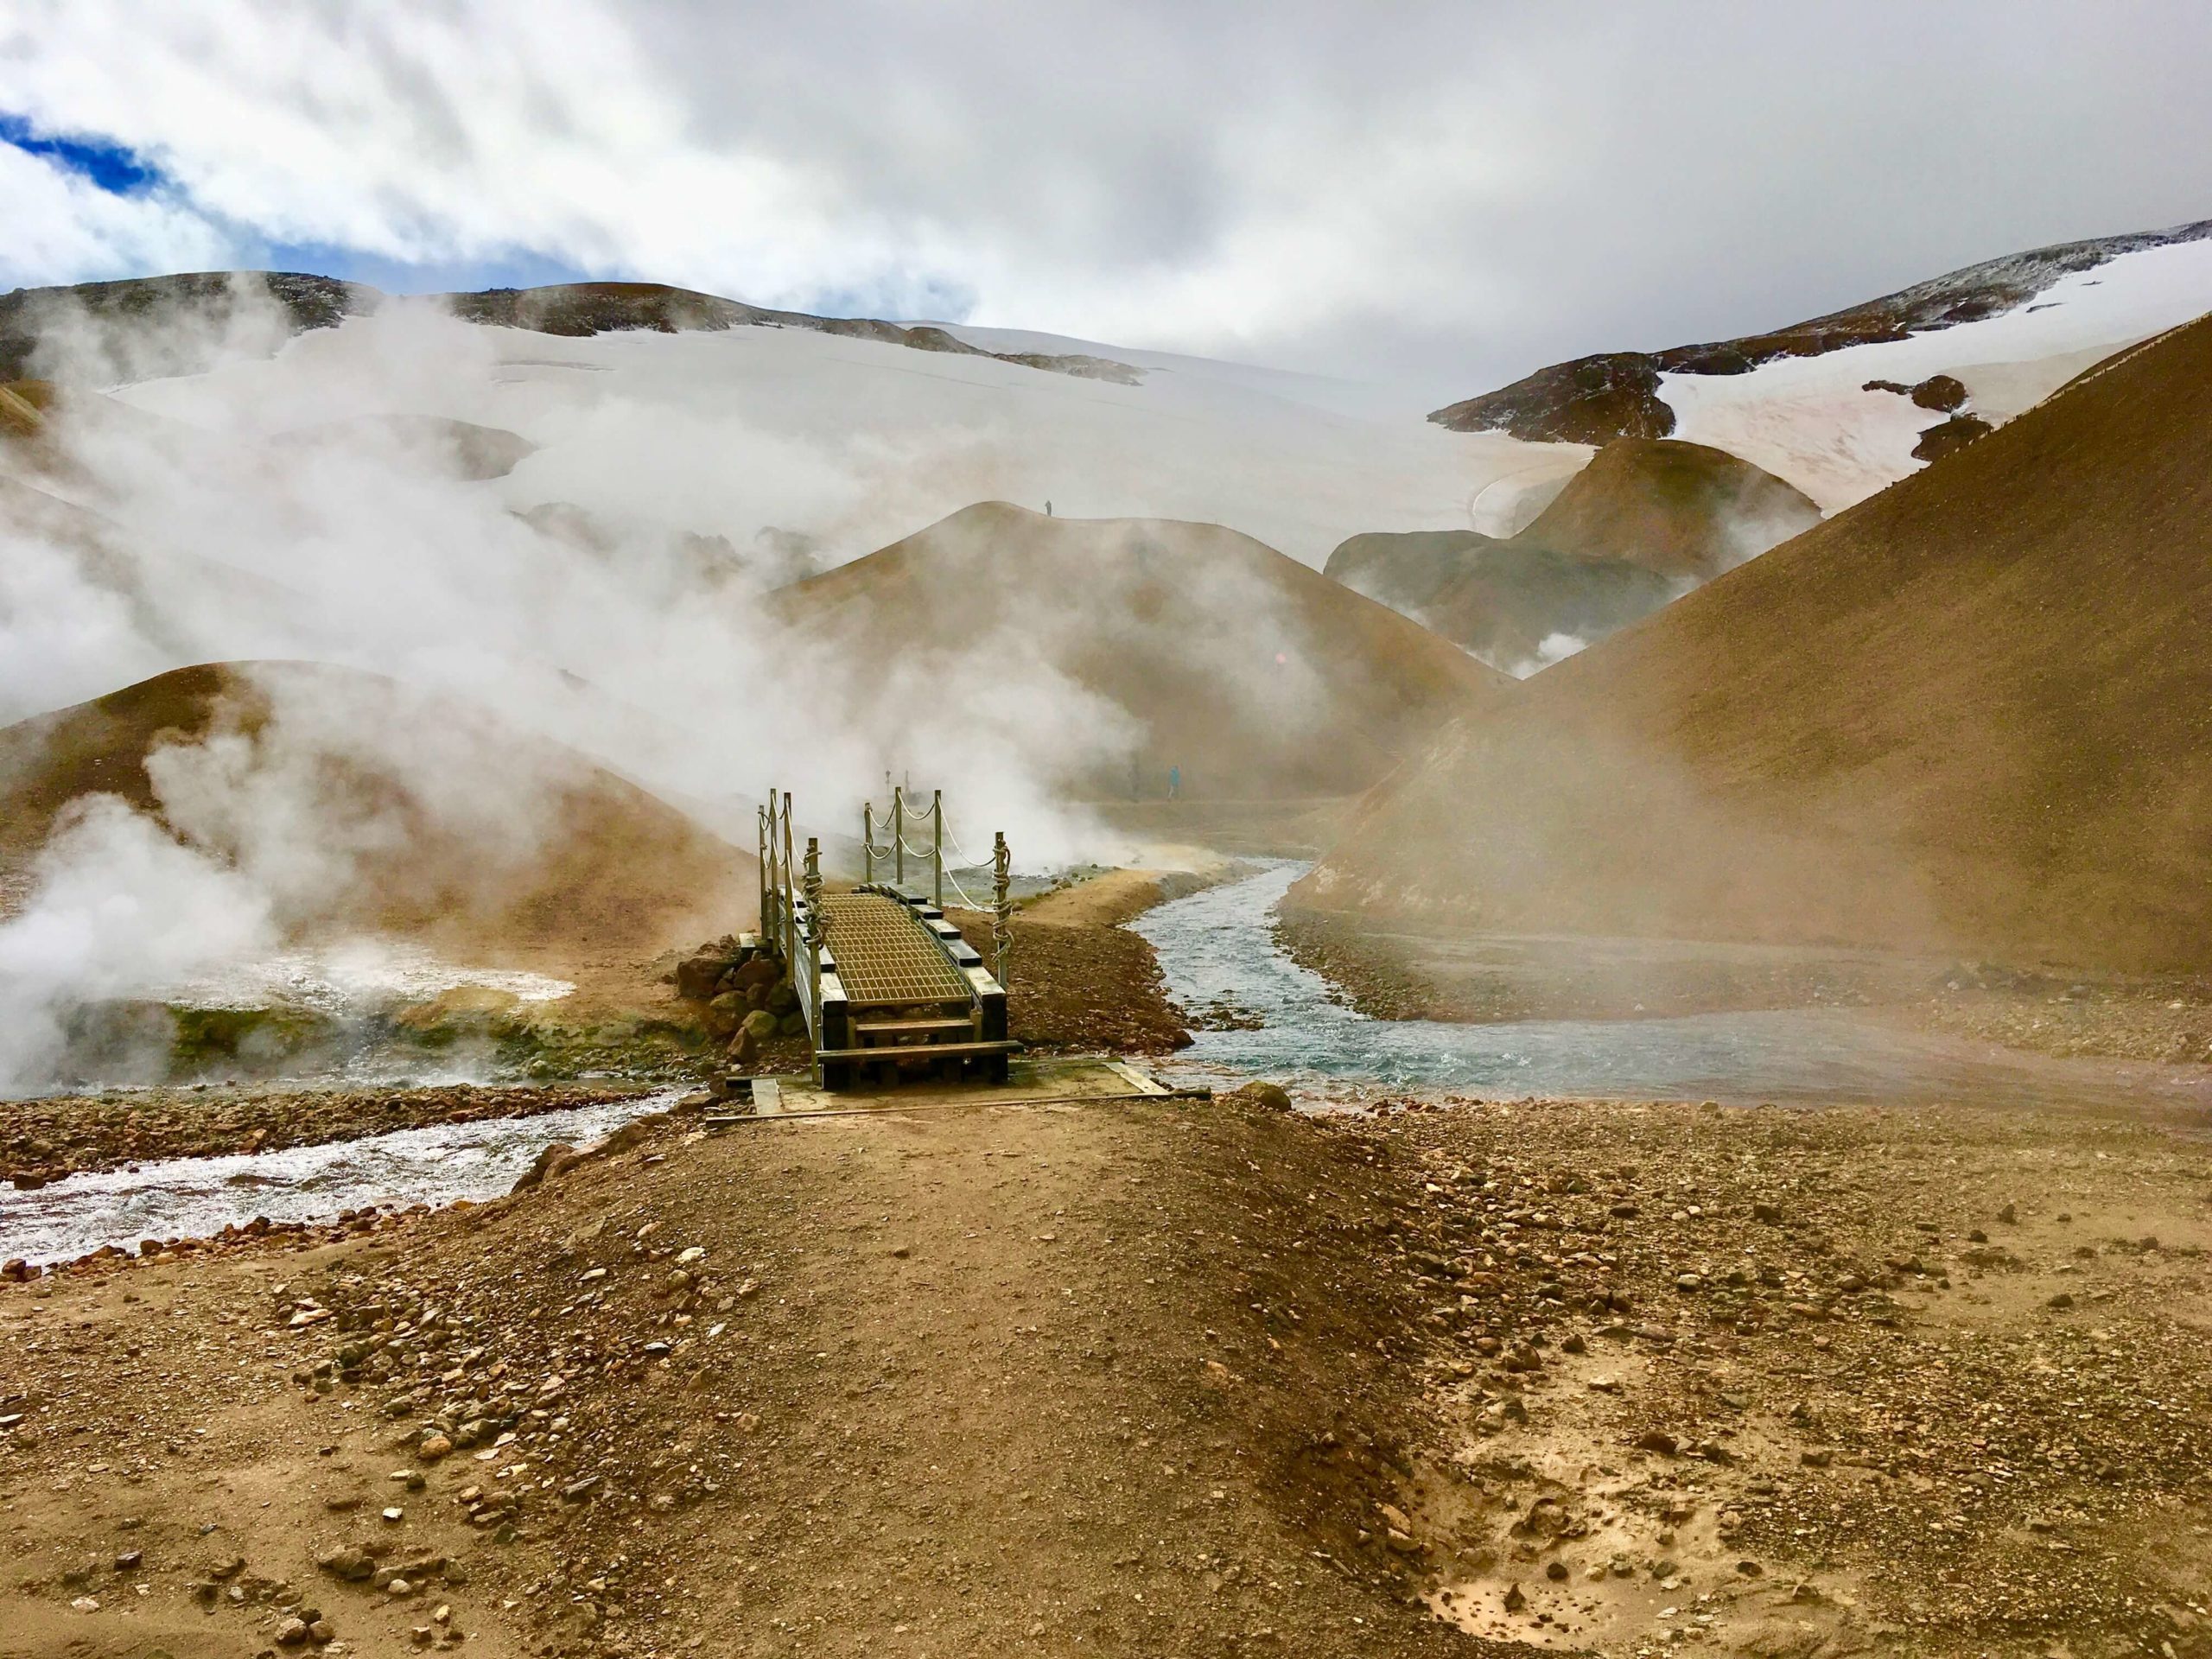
[744, 994]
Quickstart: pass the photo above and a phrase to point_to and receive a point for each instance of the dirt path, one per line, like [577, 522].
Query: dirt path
[1116, 1380]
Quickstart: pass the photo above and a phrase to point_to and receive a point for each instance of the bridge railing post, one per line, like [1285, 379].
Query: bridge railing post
[791, 918]
[937, 848]
[1002, 911]
[867, 842]
[772, 917]
[814, 934]
[898, 830]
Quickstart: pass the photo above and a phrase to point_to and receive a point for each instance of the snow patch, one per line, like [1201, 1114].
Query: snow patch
[1810, 421]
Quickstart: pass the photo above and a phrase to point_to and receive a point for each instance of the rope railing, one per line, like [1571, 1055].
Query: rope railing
[897, 849]
[789, 886]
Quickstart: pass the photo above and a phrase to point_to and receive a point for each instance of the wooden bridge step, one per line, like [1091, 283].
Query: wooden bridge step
[910, 1027]
[919, 1050]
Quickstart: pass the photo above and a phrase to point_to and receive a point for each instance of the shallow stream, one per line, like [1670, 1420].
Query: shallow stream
[1217, 947]
[194, 1198]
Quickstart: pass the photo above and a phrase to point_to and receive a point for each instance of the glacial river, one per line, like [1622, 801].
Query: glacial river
[1217, 947]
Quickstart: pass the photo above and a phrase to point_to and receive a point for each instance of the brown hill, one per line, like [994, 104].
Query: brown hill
[23, 405]
[1972, 713]
[1511, 604]
[1254, 674]
[443, 822]
[1680, 509]
[1610, 395]
[1646, 520]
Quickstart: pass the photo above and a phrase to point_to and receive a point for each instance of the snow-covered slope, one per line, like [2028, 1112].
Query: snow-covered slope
[1827, 404]
[1812, 421]
[842, 442]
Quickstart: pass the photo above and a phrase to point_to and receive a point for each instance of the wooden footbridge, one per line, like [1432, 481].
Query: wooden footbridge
[886, 983]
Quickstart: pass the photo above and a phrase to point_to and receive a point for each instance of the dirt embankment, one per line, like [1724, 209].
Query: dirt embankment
[1113, 898]
[1080, 985]
[1163, 1378]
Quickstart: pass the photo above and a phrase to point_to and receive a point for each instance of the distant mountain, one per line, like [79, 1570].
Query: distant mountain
[1119, 648]
[574, 309]
[1648, 520]
[1970, 716]
[2008, 332]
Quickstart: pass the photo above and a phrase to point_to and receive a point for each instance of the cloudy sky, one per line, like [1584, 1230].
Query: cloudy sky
[1449, 194]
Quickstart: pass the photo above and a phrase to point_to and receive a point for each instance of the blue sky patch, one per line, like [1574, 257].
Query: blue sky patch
[116, 168]
[513, 268]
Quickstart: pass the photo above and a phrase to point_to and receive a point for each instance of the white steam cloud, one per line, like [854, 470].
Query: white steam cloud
[118, 906]
[316, 515]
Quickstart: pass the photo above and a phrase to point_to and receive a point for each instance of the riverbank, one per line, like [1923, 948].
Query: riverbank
[1078, 980]
[1483, 979]
[1081, 984]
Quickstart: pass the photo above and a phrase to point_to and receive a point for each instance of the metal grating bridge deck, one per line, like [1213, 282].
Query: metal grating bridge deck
[885, 956]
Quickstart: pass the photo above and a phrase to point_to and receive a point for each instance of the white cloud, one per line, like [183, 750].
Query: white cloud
[1453, 192]
[61, 227]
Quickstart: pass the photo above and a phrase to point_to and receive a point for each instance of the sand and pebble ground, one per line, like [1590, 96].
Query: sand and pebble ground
[1620, 1376]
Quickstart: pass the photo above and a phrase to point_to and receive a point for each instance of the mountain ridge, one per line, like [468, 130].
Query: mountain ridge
[1606, 395]
[570, 310]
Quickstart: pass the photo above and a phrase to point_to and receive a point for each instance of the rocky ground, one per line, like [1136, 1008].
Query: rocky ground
[2166, 1019]
[1786, 1383]
[1162, 1378]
